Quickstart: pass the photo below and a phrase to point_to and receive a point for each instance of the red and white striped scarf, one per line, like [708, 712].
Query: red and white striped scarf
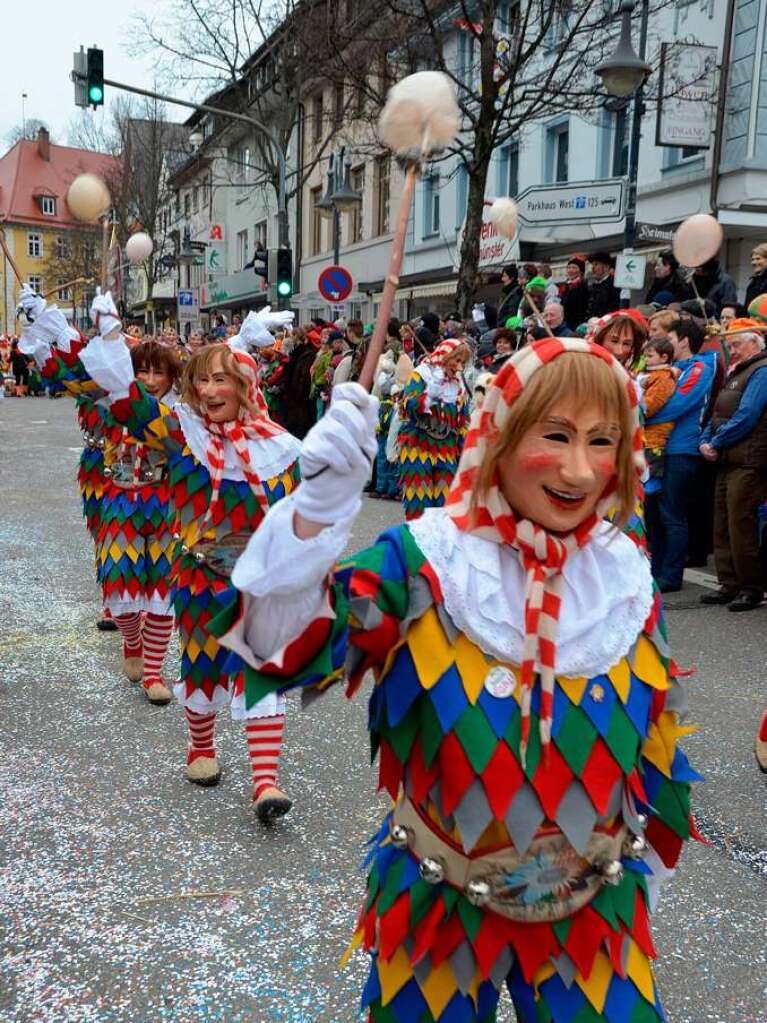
[246, 427]
[543, 554]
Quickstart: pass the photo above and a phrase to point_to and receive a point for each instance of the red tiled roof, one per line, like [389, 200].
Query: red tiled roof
[24, 174]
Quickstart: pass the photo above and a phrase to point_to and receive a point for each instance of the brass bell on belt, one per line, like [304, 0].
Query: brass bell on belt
[177, 536]
[101, 443]
[148, 475]
[432, 870]
[184, 548]
[400, 836]
[199, 557]
[611, 871]
[634, 846]
[642, 820]
[478, 892]
[108, 473]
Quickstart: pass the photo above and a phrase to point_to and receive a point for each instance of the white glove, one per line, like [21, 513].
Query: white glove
[255, 327]
[39, 349]
[434, 390]
[30, 303]
[51, 326]
[337, 457]
[104, 313]
[275, 320]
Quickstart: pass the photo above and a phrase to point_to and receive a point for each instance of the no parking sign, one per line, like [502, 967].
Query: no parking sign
[335, 284]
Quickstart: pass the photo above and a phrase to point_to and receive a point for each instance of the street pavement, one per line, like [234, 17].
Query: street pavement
[96, 816]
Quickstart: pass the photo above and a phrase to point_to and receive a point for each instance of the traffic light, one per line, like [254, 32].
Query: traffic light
[95, 77]
[79, 75]
[260, 256]
[284, 278]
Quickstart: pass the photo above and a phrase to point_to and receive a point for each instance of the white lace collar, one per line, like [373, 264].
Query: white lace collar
[450, 389]
[269, 456]
[607, 595]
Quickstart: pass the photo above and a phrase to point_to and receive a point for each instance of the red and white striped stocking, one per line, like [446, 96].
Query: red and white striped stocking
[201, 728]
[156, 633]
[129, 625]
[264, 737]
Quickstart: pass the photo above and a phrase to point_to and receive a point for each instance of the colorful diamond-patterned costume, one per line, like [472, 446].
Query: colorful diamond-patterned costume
[205, 532]
[125, 497]
[450, 746]
[525, 715]
[434, 412]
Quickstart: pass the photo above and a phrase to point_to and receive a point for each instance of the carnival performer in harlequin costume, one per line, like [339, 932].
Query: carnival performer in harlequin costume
[524, 708]
[92, 418]
[434, 412]
[271, 365]
[134, 535]
[227, 463]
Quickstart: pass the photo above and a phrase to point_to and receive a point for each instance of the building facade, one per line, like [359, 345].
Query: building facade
[49, 246]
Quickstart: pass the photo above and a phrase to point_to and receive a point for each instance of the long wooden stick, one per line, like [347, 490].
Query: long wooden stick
[68, 284]
[104, 250]
[8, 256]
[392, 280]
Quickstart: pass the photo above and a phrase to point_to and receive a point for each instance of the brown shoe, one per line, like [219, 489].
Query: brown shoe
[133, 668]
[158, 693]
[204, 771]
[271, 804]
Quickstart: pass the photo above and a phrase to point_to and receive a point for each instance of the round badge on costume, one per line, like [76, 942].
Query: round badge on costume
[500, 682]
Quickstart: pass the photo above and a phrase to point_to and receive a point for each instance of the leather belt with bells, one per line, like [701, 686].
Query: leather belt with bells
[550, 881]
[219, 555]
[121, 475]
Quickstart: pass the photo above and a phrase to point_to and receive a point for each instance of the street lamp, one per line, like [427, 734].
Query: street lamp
[624, 72]
[624, 75]
[339, 198]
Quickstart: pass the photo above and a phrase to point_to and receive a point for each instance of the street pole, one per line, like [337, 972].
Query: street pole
[629, 234]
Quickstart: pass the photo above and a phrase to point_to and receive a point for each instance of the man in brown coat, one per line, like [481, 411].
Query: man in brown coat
[736, 439]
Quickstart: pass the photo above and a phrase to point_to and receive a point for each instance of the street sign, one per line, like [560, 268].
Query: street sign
[495, 251]
[335, 284]
[629, 271]
[573, 203]
[188, 305]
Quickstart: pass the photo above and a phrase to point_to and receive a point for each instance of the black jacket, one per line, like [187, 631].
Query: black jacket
[575, 302]
[604, 297]
[757, 285]
[673, 284]
[717, 286]
[509, 305]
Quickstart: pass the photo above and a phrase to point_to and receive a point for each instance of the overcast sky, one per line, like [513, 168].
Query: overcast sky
[37, 58]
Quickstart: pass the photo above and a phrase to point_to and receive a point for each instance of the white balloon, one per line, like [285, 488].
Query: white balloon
[88, 197]
[697, 239]
[139, 247]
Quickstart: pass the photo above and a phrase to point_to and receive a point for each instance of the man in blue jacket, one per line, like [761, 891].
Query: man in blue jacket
[667, 512]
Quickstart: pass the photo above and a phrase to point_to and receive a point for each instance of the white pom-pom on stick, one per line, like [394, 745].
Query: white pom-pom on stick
[505, 215]
[421, 115]
[88, 198]
[697, 239]
[138, 248]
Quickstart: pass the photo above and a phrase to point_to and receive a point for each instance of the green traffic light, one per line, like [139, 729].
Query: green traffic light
[284, 288]
[95, 94]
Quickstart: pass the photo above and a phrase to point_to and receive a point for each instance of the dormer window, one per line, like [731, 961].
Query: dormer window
[48, 205]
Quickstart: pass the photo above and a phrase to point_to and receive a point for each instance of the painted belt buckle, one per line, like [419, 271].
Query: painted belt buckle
[220, 556]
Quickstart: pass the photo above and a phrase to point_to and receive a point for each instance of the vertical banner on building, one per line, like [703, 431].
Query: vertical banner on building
[215, 254]
[686, 95]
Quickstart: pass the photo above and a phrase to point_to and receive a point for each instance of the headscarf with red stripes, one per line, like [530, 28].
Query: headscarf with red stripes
[444, 351]
[247, 426]
[543, 554]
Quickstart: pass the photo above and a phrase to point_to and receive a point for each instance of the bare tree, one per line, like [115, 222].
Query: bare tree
[254, 57]
[147, 145]
[27, 130]
[512, 64]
